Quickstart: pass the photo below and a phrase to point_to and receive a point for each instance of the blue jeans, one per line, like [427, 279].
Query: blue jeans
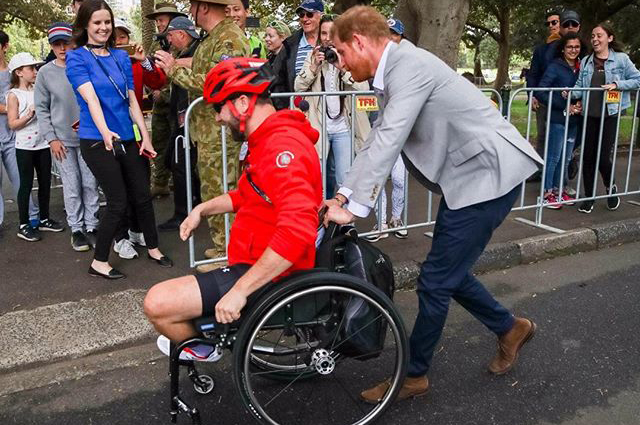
[554, 154]
[8, 159]
[459, 237]
[338, 160]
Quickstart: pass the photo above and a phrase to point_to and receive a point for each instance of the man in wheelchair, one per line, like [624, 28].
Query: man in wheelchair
[276, 205]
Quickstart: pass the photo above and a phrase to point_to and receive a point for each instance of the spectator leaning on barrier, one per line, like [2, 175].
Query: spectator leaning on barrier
[398, 172]
[7, 136]
[182, 35]
[321, 72]
[239, 11]
[561, 72]
[609, 68]
[32, 152]
[458, 145]
[274, 35]
[224, 40]
[160, 128]
[58, 113]
[288, 64]
[535, 73]
[102, 79]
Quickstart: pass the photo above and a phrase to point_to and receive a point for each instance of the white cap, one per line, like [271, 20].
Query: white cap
[22, 59]
[120, 23]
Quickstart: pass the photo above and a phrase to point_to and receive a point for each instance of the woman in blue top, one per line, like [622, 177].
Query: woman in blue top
[103, 83]
[562, 72]
[610, 69]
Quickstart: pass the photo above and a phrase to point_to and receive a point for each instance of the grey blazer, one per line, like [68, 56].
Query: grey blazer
[452, 138]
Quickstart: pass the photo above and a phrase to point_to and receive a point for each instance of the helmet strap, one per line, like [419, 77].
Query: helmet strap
[243, 117]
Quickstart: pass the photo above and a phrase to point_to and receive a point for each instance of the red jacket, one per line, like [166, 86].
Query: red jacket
[282, 163]
[155, 79]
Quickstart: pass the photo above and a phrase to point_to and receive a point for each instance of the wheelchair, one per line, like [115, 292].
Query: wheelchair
[295, 357]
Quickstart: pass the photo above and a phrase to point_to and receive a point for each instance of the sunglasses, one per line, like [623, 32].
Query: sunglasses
[570, 24]
[309, 15]
[218, 107]
[552, 22]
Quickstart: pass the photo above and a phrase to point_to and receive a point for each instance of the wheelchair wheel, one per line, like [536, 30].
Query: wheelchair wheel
[291, 362]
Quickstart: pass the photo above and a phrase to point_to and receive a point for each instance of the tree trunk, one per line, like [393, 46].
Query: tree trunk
[477, 65]
[148, 26]
[435, 25]
[504, 50]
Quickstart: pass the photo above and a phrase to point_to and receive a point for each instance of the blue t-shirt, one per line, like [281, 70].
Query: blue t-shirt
[82, 67]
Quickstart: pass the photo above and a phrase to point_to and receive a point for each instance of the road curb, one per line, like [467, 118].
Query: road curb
[499, 256]
[76, 329]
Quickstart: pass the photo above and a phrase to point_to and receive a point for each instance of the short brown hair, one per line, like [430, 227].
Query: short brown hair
[14, 81]
[363, 20]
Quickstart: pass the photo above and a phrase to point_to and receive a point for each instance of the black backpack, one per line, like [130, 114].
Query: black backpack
[342, 251]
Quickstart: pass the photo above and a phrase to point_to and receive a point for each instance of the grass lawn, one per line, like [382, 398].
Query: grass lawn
[519, 112]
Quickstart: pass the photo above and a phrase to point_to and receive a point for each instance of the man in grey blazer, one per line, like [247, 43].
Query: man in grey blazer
[455, 142]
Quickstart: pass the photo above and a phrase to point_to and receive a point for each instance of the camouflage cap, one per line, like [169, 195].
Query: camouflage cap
[165, 9]
[223, 2]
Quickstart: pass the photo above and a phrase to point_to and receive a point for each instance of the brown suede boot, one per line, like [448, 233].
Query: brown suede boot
[412, 387]
[510, 344]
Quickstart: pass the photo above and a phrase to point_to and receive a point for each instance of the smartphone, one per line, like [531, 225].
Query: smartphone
[129, 48]
[252, 22]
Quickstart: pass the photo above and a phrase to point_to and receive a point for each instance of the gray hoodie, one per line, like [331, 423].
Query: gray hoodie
[56, 106]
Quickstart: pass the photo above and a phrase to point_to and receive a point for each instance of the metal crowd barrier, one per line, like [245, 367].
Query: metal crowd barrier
[430, 218]
[587, 95]
[522, 205]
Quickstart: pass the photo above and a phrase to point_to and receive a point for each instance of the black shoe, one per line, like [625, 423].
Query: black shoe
[49, 225]
[163, 261]
[586, 207]
[92, 237]
[112, 275]
[79, 242]
[613, 202]
[170, 225]
[28, 233]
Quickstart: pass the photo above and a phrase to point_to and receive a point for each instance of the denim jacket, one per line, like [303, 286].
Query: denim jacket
[618, 69]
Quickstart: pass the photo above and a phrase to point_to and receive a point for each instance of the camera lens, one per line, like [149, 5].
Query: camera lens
[331, 56]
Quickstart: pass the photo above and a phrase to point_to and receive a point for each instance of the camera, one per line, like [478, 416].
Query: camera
[330, 54]
[118, 149]
[161, 38]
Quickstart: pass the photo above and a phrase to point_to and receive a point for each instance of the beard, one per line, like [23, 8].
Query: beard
[236, 135]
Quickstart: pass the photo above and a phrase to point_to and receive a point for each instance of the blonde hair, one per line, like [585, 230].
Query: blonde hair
[363, 20]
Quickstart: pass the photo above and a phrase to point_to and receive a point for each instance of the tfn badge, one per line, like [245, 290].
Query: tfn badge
[284, 159]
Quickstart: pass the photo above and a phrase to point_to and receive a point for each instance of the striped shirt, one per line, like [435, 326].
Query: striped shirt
[303, 51]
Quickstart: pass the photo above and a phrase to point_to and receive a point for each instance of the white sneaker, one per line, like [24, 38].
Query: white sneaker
[377, 237]
[401, 233]
[125, 249]
[187, 353]
[137, 238]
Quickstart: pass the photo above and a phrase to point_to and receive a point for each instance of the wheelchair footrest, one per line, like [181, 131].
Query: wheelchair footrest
[192, 412]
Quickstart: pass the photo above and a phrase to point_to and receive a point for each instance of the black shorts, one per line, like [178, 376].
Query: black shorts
[214, 284]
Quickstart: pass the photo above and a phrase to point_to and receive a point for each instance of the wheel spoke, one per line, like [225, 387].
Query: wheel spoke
[357, 332]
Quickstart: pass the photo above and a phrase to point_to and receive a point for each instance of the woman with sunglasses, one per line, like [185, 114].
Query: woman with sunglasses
[274, 35]
[608, 68]
[562, 72]
[102, 79]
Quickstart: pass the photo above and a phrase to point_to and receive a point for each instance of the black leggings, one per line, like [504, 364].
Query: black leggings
[120, 179]
[590, 150]
[40, 161]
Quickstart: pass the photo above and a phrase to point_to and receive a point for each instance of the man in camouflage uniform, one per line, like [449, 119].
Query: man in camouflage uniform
[160, 121]
[224, 39]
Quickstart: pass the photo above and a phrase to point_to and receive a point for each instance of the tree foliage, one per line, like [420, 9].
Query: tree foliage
[37, 14]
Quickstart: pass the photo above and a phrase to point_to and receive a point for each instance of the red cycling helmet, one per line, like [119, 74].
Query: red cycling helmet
[233, 77]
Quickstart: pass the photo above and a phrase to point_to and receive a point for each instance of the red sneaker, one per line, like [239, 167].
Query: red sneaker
[550, 201]
[569, 200]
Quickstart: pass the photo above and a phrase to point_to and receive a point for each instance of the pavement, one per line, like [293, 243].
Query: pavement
[581, 367]
[52, 310]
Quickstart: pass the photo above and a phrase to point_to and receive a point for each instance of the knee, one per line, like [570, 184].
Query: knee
[155, 304]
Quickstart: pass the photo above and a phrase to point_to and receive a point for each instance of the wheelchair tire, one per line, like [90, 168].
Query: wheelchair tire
[277, 395]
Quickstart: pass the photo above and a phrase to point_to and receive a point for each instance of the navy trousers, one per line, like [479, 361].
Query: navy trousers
[459, 238]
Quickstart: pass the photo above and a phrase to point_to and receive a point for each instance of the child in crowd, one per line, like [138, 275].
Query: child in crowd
[32, 152]
[8, 162]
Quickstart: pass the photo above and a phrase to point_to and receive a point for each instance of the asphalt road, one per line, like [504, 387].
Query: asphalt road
[582, 367]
